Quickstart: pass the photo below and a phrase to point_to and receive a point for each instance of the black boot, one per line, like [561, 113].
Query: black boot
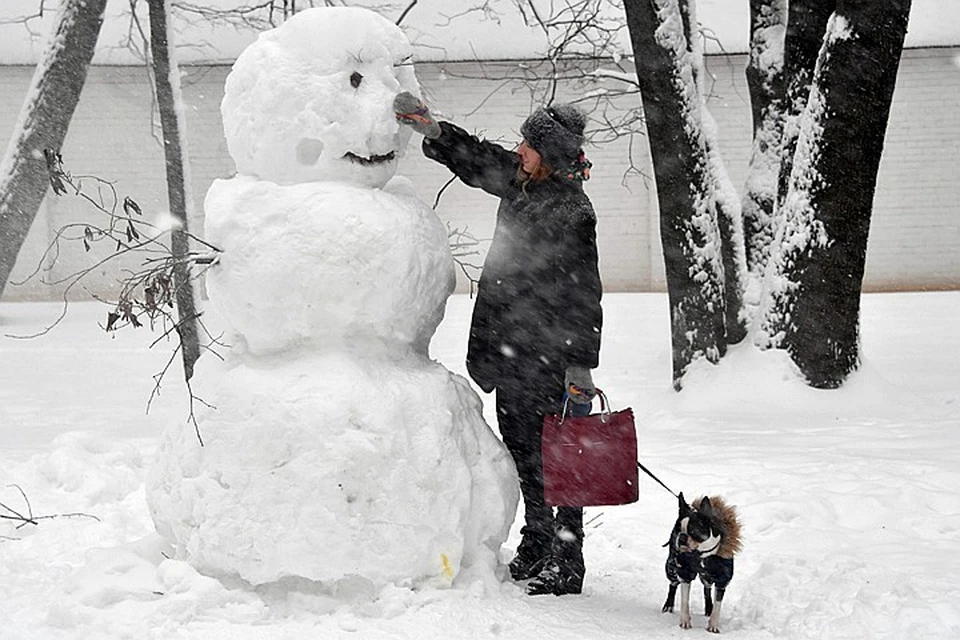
[563, 573]
[531, 555]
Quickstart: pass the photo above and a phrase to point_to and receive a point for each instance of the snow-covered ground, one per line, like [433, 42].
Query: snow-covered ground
[849, 498]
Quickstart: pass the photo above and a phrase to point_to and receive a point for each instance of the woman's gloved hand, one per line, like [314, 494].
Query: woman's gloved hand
[578, 383]
[411, 110]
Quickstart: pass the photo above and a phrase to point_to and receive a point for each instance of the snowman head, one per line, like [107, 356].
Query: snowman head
[312, 100]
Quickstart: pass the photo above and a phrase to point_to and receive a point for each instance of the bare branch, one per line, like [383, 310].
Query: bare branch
[463, 245]
[28, 19]
[9, 513]
[485, 8]
[436, 201]
[583, 53]
[147, 295]
[403, 15]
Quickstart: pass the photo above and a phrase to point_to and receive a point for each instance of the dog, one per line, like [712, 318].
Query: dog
[703, 542]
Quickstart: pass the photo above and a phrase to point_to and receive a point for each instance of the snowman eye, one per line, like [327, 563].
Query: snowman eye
[355, 79]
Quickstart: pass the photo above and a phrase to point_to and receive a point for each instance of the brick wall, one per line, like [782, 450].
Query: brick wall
[112, 137]
[915, 233]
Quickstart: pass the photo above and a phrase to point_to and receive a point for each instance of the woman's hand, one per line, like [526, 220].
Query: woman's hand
[411, 111]
[578, 384]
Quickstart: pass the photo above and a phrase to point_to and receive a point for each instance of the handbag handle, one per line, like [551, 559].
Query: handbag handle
[604, 406]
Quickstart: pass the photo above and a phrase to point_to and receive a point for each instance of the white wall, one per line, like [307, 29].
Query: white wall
[915, 234]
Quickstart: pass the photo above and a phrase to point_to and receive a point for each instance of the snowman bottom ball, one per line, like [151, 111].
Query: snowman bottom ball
[330, 468]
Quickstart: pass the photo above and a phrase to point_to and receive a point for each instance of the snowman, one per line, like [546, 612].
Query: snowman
[335, 450]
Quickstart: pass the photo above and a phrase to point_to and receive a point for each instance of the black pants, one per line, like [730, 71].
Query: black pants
[521, 405]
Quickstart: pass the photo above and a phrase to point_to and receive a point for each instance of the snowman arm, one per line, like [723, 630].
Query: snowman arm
[478, 163]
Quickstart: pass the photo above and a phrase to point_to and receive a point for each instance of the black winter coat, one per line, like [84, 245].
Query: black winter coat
[538, 301]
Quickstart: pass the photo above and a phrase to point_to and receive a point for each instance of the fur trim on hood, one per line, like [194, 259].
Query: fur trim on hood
[729, 521]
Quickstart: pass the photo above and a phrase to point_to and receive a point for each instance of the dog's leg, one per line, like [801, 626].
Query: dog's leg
[671, 598]
[713, 624]
[685, 605]
[707, 600]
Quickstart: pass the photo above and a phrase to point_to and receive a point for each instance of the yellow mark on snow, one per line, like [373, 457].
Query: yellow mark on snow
[447, 569]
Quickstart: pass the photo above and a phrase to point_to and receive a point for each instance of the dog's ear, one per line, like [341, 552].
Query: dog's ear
[684, 507]
[706, 509]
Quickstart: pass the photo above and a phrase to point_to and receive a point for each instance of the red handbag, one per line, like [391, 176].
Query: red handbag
[590, 461]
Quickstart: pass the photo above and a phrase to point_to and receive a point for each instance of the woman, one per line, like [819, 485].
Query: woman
[536, 323]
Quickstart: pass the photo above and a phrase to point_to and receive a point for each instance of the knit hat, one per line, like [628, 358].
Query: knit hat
[556, 133]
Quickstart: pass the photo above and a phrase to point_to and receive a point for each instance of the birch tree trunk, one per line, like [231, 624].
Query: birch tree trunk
[172, 122]
[815, 279]
[44, 119]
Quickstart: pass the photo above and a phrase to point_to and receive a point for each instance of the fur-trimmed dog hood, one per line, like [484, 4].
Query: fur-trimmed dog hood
[726, 517]
[556, 133]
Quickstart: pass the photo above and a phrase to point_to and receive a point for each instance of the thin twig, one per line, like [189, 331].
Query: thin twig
[30, 518]
[436, 201]
[403, 15]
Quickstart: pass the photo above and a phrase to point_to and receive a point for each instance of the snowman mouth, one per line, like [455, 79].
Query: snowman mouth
[371, 160]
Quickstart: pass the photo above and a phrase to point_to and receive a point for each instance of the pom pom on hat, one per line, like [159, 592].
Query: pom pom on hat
[556, 133]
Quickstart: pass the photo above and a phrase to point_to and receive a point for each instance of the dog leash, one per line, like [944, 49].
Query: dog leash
[660, 482]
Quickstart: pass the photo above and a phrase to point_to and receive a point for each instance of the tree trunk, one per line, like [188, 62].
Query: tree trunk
[806, 26]
[44, 119]
[729, 215]
[689, 230]
[815, 311]
[764, 75]
[724, 201]
[167, 79]
[805, 30]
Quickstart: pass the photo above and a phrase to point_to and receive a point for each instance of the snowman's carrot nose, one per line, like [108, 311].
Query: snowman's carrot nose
[417, 116]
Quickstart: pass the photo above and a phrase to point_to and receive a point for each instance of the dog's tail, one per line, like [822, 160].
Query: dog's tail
[729, 520]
